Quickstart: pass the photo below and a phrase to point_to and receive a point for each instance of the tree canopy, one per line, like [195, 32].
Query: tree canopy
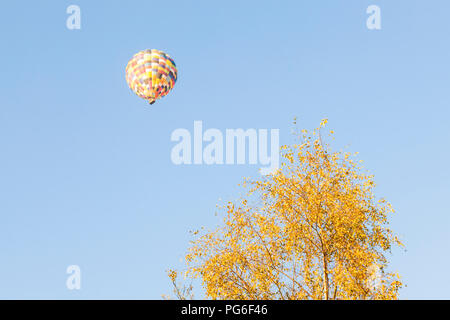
[312, 230]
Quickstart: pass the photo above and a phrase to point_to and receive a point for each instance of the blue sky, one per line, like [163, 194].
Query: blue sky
[85, 170]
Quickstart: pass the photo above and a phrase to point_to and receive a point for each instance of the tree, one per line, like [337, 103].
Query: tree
[311, 230]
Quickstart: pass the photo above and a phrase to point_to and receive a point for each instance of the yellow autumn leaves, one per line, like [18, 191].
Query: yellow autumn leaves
[312, 230]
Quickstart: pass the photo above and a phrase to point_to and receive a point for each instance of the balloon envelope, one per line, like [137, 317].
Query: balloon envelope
[151, 74]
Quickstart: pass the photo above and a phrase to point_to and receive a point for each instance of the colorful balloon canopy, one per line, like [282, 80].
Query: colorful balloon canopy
[151, 74]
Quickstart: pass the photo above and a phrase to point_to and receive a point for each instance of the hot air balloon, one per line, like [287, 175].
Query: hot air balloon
[151, 74]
